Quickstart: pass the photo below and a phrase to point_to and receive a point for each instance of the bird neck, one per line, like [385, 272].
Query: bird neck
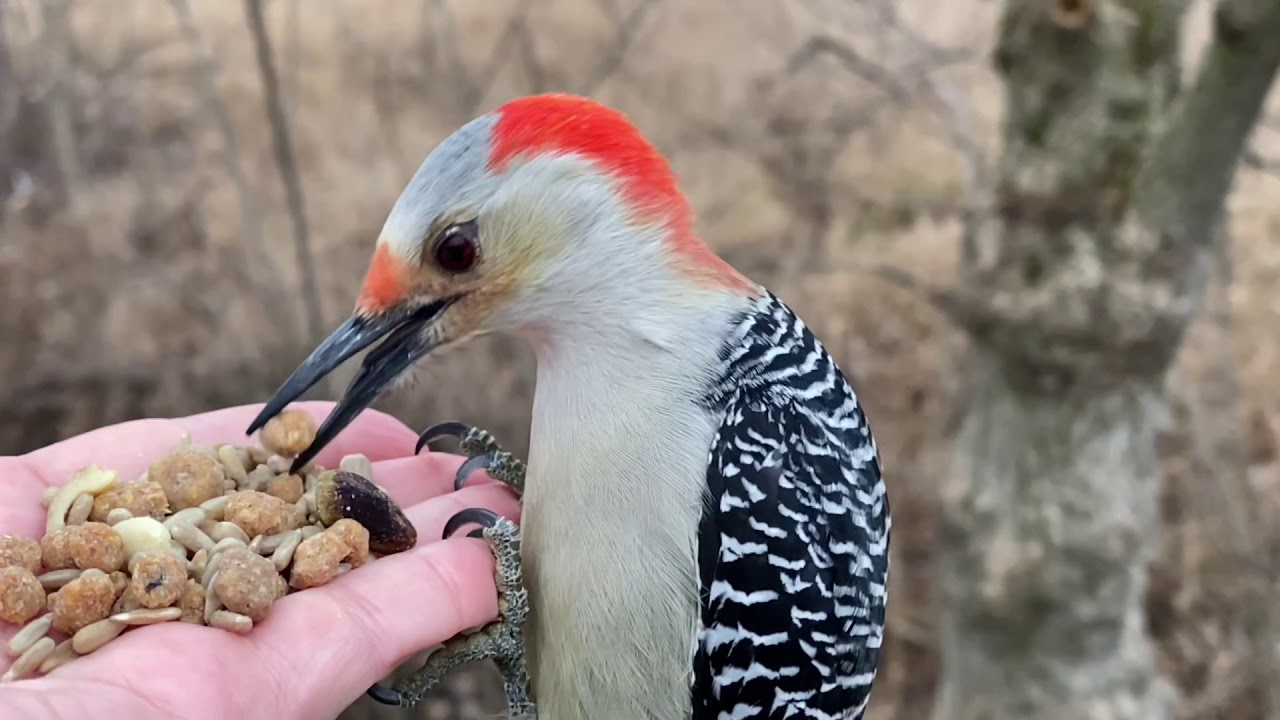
[616, 483]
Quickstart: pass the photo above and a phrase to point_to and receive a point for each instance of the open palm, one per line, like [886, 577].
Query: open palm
[319, 649]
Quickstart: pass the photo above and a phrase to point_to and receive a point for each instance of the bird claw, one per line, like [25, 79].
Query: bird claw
[485, 518]
[482, 453]
[501, 641]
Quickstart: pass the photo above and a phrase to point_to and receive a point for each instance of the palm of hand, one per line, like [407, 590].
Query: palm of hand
[318, 650]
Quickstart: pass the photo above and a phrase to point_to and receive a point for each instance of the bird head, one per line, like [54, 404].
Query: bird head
[519, 221]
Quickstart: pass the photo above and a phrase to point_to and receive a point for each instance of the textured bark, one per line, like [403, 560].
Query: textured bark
[1111, 183]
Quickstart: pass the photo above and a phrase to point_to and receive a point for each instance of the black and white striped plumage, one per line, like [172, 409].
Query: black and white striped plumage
[793, 547]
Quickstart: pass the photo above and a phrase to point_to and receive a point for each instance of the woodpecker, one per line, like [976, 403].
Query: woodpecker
[704, 527]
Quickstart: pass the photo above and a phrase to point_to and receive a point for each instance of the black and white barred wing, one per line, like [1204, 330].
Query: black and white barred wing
[793, 561]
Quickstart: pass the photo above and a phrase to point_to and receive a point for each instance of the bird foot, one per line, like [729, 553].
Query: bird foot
[502, 640]
[482, 452]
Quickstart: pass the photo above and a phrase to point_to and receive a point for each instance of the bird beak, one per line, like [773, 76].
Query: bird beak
[409, 337]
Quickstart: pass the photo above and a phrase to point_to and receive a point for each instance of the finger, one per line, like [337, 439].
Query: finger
[383, 612]
[130, 448]
[410, 480]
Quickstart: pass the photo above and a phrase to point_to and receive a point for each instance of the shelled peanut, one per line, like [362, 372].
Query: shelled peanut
[207, 536]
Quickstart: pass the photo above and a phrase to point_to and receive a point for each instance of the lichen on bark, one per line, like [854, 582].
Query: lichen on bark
[1111, 183]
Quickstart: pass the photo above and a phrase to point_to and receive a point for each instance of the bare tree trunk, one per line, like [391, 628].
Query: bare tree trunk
[1111, 184]
[287, 167]
[65, 148]
[261, 267]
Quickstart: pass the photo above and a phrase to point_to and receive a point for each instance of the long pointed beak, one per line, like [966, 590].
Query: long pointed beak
[407, 341]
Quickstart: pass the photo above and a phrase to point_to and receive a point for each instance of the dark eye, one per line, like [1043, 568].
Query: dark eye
[457, 248]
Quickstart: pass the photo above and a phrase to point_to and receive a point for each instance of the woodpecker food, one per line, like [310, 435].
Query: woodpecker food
[19, 552]
[210, 536]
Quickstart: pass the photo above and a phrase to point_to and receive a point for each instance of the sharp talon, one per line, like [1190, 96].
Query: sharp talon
[480, 516]
[478, 534]
[383, 694]
[444, 429]
[479, 462]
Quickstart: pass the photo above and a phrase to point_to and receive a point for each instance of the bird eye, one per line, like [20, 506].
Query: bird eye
[456, 249]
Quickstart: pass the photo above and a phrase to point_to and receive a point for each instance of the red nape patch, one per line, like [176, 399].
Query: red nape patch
[384, 284]
[571, 124]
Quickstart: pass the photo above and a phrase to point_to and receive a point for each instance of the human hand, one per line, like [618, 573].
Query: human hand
[319, 649]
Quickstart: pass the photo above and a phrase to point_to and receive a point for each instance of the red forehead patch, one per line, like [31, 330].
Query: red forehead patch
[384, 284]
[571, 124]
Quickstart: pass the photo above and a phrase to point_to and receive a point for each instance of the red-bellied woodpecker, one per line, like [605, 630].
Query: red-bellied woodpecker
[705, 531]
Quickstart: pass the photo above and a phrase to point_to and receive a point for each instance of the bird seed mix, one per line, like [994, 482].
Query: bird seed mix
[208, 535]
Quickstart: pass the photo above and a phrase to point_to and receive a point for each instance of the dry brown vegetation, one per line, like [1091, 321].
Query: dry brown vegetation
[818, 139]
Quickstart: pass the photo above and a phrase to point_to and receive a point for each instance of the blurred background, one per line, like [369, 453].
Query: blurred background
[190, 190]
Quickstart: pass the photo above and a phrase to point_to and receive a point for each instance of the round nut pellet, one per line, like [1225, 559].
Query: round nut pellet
[188, 477]
[21, 595]
[258, 513]
[285, 486]
[248, 583]
[316, 560]
[119, 582]
[144, 498]
[18, 551]
[95, 635]
[97, 545]
[158, 579]
[55, 549]
[86, 599]
[288, 433]
[192, 603]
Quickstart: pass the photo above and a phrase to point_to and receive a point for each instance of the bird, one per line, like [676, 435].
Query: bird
[704, 529]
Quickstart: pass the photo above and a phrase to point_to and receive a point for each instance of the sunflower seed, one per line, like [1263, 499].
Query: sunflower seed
[146, 616]
[284, 554]
[223, 530]
[358, 464]
[216, 508]
[188, 516]
[226, 544]
[61, 655]
[95, 635]
[118, 515]
[55, 579]
[212, 604]
[232, 463]
[191, 537]
[30, 634]
[30, 660]
[227, 620]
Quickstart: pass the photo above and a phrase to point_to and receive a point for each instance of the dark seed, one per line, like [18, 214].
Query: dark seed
[341, 494]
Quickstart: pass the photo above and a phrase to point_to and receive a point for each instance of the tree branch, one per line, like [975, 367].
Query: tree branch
[1189, 167]
[261, 267]
[287, 167]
